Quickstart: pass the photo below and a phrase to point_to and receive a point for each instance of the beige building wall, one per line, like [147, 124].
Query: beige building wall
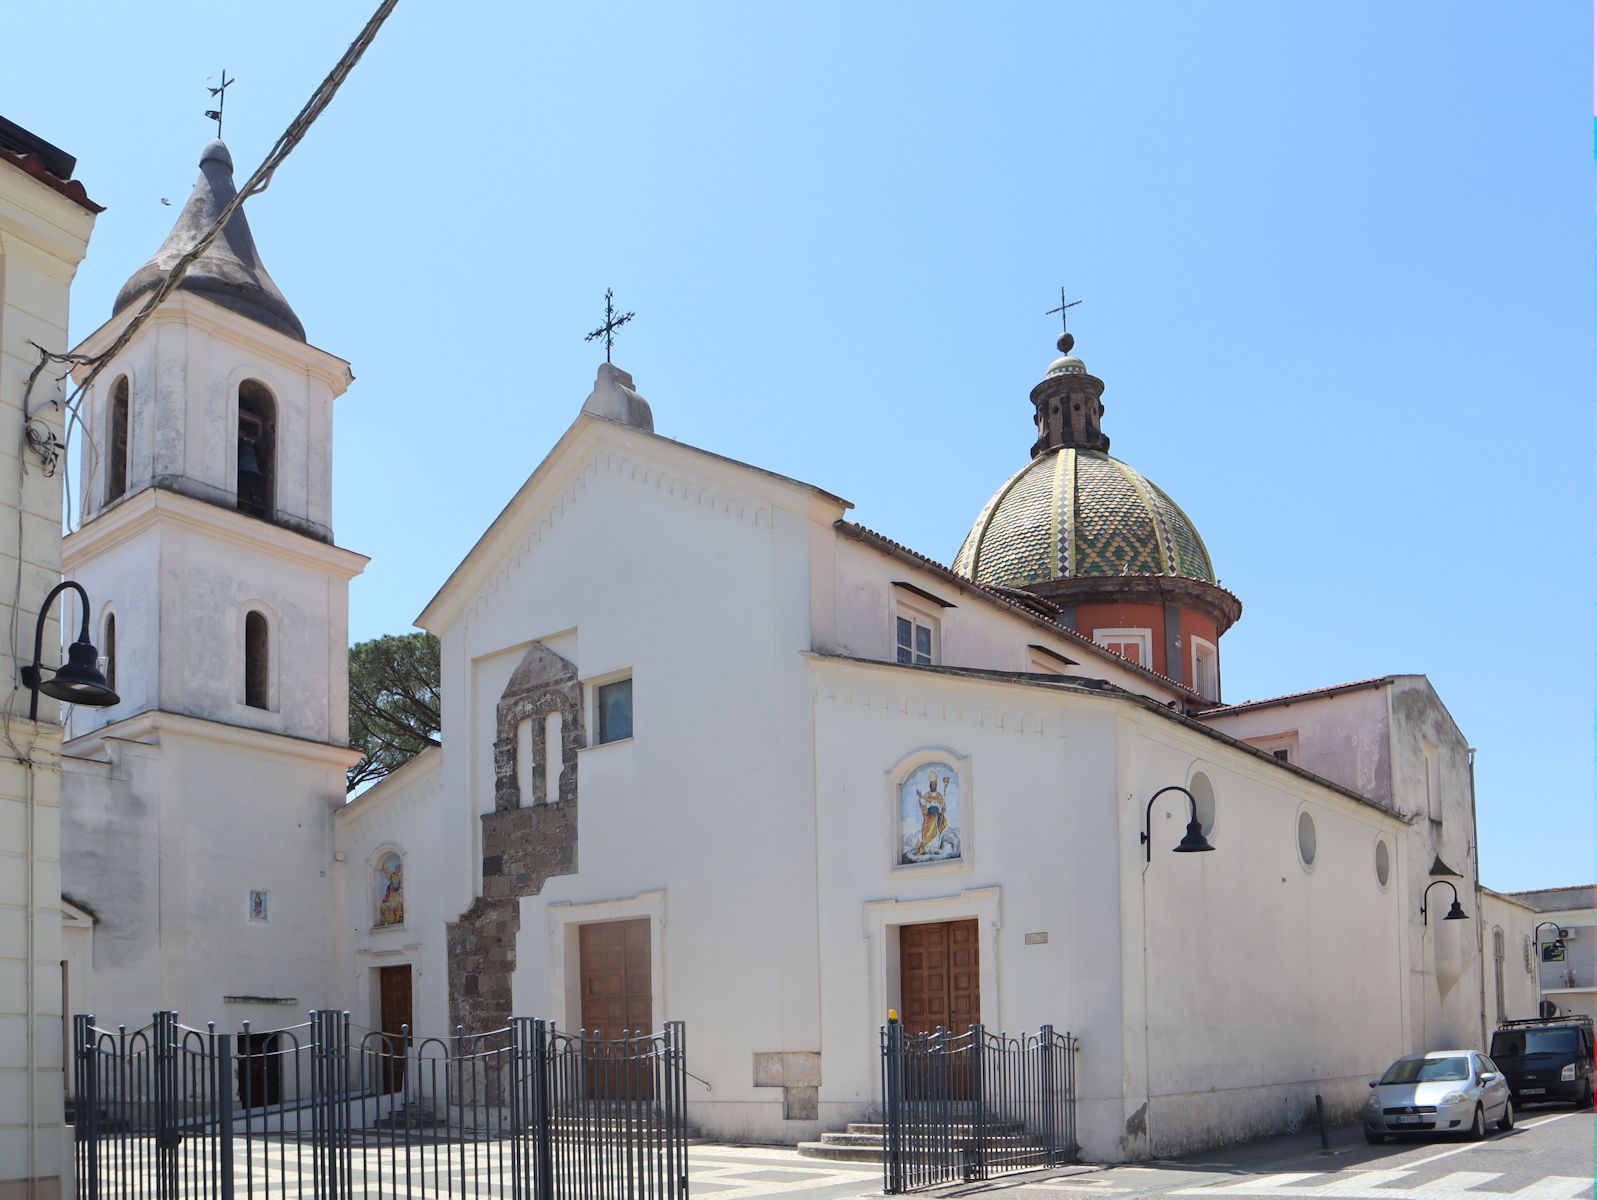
[43, 236]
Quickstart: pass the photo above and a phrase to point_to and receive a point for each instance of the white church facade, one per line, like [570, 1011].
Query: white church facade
[813, 777]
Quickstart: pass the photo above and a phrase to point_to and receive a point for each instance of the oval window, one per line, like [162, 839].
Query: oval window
[1306, 839]
[1383, 863]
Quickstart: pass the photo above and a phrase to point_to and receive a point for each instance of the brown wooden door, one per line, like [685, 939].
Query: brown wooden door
[393, 991]
[260, 1070]
[940, 985]
[617, 999]
[616, 983]
[939, 976]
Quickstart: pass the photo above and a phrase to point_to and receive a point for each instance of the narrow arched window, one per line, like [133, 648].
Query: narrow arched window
[116, 449]
[257, 672]
[110, 650]
[257, 449]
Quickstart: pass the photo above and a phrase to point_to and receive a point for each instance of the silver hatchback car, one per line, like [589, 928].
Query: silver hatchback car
[1445, 1091]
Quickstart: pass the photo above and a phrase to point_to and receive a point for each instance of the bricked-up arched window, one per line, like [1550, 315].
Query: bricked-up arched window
[257, 449]
[116, 438]
[110, 650]
[257, 669]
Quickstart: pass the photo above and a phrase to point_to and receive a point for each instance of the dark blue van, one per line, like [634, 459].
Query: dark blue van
[1547, 1060]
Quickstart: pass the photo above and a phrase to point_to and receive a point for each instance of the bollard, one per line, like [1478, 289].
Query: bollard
[1325, 1134]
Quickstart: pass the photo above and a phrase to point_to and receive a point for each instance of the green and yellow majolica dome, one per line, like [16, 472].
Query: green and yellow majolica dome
[1072, 513]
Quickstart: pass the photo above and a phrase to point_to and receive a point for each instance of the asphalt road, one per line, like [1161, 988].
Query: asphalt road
[1547, 1156]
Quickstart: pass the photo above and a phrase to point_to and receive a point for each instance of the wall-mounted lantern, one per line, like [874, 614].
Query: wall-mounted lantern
[1456, 913]
[1194, 841]
[79, 681]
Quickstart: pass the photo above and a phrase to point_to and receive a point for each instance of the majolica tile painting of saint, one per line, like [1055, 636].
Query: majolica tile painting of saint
[391, 889]
[928, 815]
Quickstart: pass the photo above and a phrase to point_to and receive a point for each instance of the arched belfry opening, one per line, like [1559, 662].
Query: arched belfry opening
[116, 439]
[257, 449]
[257, 661]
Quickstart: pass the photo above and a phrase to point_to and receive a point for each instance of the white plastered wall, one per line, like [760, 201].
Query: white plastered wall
[637, 555]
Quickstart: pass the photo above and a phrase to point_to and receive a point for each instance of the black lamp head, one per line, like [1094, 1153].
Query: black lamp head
[80, 681]
[1456, 913]
[1194, 841]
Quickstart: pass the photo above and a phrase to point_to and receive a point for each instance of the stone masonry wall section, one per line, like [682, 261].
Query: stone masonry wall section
[526, 840]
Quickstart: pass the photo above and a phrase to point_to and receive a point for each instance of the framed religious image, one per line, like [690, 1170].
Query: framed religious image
[260, 906]
[390, 888]
[930, 814]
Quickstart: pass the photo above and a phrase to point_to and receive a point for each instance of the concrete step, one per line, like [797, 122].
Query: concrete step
[854, 1154]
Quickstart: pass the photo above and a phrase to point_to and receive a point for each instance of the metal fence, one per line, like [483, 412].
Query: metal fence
[329, 1110]
[968, 1106]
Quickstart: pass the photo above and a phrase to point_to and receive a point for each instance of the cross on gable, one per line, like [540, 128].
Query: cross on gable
[612, 323]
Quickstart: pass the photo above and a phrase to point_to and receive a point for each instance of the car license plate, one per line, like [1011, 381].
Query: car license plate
[1406, 1120]
[1532, 1091]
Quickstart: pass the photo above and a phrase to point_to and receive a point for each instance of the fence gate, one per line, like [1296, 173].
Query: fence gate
[329, 1110]
[967, 1106]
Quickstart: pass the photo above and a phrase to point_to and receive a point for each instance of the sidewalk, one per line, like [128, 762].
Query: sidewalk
[1300, 1151]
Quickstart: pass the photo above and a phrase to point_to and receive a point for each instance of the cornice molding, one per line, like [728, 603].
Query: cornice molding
[154, 507]
[146, 727]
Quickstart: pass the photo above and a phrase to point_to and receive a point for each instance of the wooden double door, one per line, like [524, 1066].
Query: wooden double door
[618, 999]
[939, 973]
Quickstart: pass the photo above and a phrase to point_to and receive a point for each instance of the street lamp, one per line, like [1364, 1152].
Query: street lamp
[1193, 842]
[1535, 937]
[79, 681]
[1456, 913]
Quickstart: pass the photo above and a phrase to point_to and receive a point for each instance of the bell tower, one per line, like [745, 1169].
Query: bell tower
[200, 828]
[207, 494]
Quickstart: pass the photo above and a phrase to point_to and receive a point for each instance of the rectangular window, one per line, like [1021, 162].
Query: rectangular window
[1134, 645]
[615, 711]
[916, 638]
[1205, 673]
[1283, 754]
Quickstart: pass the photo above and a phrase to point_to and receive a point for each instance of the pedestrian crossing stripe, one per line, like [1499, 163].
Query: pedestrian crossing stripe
[1373, 1185]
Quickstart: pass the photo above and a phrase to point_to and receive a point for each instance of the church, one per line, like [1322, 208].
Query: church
[813, 777]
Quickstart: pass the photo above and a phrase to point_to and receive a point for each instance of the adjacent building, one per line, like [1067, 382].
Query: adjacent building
[45, 221]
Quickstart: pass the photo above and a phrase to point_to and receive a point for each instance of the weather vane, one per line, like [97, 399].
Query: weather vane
[607, 331]
[220, 93]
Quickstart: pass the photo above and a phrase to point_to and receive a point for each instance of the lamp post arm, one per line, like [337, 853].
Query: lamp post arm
[38, 635]
[1147, 818]
[1425, 897]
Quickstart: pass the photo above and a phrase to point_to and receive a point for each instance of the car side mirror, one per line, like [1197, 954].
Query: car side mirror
[1374, 1082]
[1490, 1076]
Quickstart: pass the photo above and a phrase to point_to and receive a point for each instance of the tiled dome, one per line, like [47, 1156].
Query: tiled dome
[1072, 513]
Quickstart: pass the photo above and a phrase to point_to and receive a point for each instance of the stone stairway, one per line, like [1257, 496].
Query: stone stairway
[865, 1141]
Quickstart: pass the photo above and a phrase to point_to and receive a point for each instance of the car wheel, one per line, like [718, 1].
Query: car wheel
[1477, 1127]
[1373, 1138]
[1585, 1100]
[1507, 1121]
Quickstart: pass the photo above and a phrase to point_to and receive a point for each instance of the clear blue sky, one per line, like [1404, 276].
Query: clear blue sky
[1336, 262]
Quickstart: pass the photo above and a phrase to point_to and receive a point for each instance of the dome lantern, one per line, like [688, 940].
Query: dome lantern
[1069, 404]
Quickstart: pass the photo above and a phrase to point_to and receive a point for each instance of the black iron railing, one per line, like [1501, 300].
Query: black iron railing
[330, 1110]
[968, 1106]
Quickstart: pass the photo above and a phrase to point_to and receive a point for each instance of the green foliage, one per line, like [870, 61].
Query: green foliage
[394, 703]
